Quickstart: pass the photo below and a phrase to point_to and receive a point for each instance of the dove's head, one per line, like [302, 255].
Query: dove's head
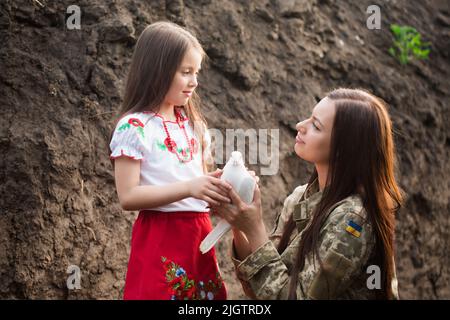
[236, 158]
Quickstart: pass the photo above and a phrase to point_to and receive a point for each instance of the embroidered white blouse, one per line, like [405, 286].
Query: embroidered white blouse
[142, 136]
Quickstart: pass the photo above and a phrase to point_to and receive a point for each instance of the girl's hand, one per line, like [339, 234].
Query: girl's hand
[242, 216]
[210, 188]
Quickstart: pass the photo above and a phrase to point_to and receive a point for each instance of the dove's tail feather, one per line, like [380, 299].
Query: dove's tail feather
[211, 239]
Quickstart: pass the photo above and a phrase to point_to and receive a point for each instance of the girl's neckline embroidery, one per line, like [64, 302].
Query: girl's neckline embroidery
[184, 155]
[178, 115]
[171, 145]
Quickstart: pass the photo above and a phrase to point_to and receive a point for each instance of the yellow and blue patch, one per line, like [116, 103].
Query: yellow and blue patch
[354, 228]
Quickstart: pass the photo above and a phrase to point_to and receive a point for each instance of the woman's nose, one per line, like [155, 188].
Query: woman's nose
[300, 127]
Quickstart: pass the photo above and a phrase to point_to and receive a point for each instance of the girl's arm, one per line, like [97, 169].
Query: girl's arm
[132, 196]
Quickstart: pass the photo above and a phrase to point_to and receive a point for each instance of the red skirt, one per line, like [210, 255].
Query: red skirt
[166, 262]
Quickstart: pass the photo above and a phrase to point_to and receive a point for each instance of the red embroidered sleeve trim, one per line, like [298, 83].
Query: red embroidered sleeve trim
[123, 155]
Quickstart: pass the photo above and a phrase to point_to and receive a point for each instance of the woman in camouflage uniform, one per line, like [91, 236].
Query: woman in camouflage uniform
[331, 230]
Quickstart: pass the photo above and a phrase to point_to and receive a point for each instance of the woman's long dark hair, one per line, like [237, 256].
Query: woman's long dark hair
[362, 161]
[157, 56]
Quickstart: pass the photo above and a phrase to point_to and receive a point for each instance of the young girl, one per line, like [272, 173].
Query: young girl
[159, 162]
[334, 238]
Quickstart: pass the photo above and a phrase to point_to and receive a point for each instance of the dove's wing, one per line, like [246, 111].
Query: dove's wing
[211, 239]
[246, 189]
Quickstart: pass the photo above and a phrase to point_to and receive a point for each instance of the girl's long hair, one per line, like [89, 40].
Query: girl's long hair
[362, 162]
[157, 56]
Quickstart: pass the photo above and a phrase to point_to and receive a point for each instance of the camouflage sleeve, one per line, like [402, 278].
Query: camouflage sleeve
[263, 273]
[345, 241]
[346, 244]
[285, 213]
[245, 284]
[274, 235]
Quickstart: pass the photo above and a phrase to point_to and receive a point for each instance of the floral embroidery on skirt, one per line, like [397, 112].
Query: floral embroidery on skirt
[182, 286]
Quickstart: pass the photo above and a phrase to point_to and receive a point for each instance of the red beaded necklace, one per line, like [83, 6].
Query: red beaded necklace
[171, 145]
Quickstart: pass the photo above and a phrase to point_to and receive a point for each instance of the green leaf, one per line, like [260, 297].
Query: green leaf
[422, 54]
[161, 146]
[407, 44]
[392, 51]
[395, 29]
[141, 132]
[404, 59]
[415, 41]
[419, 53]
[124, 126]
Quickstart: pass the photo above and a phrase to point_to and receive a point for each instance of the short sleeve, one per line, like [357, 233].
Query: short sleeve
[128, 138]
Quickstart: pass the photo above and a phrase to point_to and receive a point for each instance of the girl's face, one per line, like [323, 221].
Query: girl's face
[314, 134]
[185, 79]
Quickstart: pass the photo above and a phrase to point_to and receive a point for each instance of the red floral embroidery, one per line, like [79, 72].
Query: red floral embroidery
[135, 122]
[166, 264]
[170, 145]
[183, 287]
[190, 293]
[177, 281]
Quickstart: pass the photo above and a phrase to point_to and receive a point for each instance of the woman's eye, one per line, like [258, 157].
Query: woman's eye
[316, 127]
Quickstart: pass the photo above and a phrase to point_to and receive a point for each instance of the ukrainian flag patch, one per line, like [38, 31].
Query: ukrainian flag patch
[354, 228]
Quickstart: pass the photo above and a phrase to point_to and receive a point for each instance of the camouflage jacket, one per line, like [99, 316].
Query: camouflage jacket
[345, 246]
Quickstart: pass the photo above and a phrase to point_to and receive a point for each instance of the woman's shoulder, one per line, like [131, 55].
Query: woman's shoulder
[288, 208]
[352, 205]
[295, 196]
[350, 215]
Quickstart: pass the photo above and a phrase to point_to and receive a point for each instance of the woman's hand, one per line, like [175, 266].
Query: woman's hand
[240, 215]
[245, 217]
[210, 188]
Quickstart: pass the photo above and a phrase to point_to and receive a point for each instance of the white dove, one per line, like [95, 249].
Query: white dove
[243, 183]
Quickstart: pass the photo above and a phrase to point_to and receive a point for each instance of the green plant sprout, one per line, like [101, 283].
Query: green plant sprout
[408, 44]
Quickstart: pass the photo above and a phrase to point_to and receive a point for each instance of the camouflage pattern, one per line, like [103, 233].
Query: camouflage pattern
[265, 274]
